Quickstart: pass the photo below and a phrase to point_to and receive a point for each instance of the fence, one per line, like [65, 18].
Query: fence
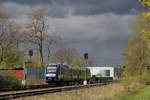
[35, 73]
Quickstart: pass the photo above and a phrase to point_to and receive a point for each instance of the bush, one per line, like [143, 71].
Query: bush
[130, 82]
[146, 77]
[8, 80]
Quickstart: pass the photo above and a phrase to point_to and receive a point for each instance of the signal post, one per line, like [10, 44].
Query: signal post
[85, 63]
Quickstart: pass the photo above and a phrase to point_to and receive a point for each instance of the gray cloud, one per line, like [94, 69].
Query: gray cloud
[98, 27]
[61, 8]
[102, 27]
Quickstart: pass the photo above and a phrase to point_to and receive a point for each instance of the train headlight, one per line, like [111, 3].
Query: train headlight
[50, 75]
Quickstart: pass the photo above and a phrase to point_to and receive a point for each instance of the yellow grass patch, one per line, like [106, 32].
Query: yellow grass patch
[35, 81]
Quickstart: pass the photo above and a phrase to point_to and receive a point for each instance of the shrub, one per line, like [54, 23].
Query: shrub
[8, 80]
[145, 77]
[130, 82]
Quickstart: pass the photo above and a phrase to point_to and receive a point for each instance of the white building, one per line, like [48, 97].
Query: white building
[104, 71]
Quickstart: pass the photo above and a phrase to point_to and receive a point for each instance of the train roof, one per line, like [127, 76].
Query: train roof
[74, 67]
[77, 67]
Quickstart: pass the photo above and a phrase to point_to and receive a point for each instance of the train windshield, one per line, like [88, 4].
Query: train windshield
[51, 68]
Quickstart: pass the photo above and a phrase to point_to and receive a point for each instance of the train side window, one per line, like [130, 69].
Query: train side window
[107, 72]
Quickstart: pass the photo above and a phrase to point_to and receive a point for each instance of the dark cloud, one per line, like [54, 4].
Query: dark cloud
[106, 6]
[27, 2]
[84, 7]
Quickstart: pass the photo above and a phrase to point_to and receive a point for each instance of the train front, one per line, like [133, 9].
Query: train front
[50, 73]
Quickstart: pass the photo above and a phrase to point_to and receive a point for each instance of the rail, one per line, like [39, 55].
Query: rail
[25, 93]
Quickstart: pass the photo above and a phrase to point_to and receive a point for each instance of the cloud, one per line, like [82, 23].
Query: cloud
[63, 8]
[16, 10]
[102, 27]
[98, 27]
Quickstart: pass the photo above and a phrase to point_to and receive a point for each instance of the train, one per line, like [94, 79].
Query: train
[58, 73]
[19, 72]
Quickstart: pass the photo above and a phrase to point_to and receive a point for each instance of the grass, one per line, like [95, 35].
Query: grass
[35, 81]
[143, 93]
[97, 93]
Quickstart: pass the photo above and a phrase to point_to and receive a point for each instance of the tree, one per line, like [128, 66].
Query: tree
[146, 23]
[50, 43]
[13, 57]
[65, 55]
[37, 32]
[77, 62]
[136, 52]
[18, 37]
[8, 34]
[35, 62]
[146, 18]
[145, 3]
[37, 29]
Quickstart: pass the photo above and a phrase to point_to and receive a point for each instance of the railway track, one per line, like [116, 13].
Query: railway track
[25, 93]
[30, 87]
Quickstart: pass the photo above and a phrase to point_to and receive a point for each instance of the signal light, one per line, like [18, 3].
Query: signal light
[86, 56]
[148, 67]
[30, 53]
[124, 67]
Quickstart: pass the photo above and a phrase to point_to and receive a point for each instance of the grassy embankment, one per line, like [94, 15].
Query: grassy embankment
[143, 93]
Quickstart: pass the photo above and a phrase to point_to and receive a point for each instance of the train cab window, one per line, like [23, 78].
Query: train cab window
[51, 68]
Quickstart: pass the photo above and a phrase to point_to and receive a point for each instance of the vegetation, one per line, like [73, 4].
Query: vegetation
[77, 62]
[37, 32]
[145, 2]
[142, 93]
[65, 55]
[34, 81]
[136, 57]
[9, 79]
[35, 62]
[137, 52]
[12, 57]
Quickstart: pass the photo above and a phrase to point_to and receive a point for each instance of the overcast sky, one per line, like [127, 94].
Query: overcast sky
[99, 27]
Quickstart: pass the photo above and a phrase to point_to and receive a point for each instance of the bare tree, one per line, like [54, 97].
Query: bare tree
[51, 42]
[7, 34]
[37, 31]
[65, 55]
[18, 35]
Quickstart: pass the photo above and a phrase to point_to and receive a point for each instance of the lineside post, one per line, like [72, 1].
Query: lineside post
[85, 63]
